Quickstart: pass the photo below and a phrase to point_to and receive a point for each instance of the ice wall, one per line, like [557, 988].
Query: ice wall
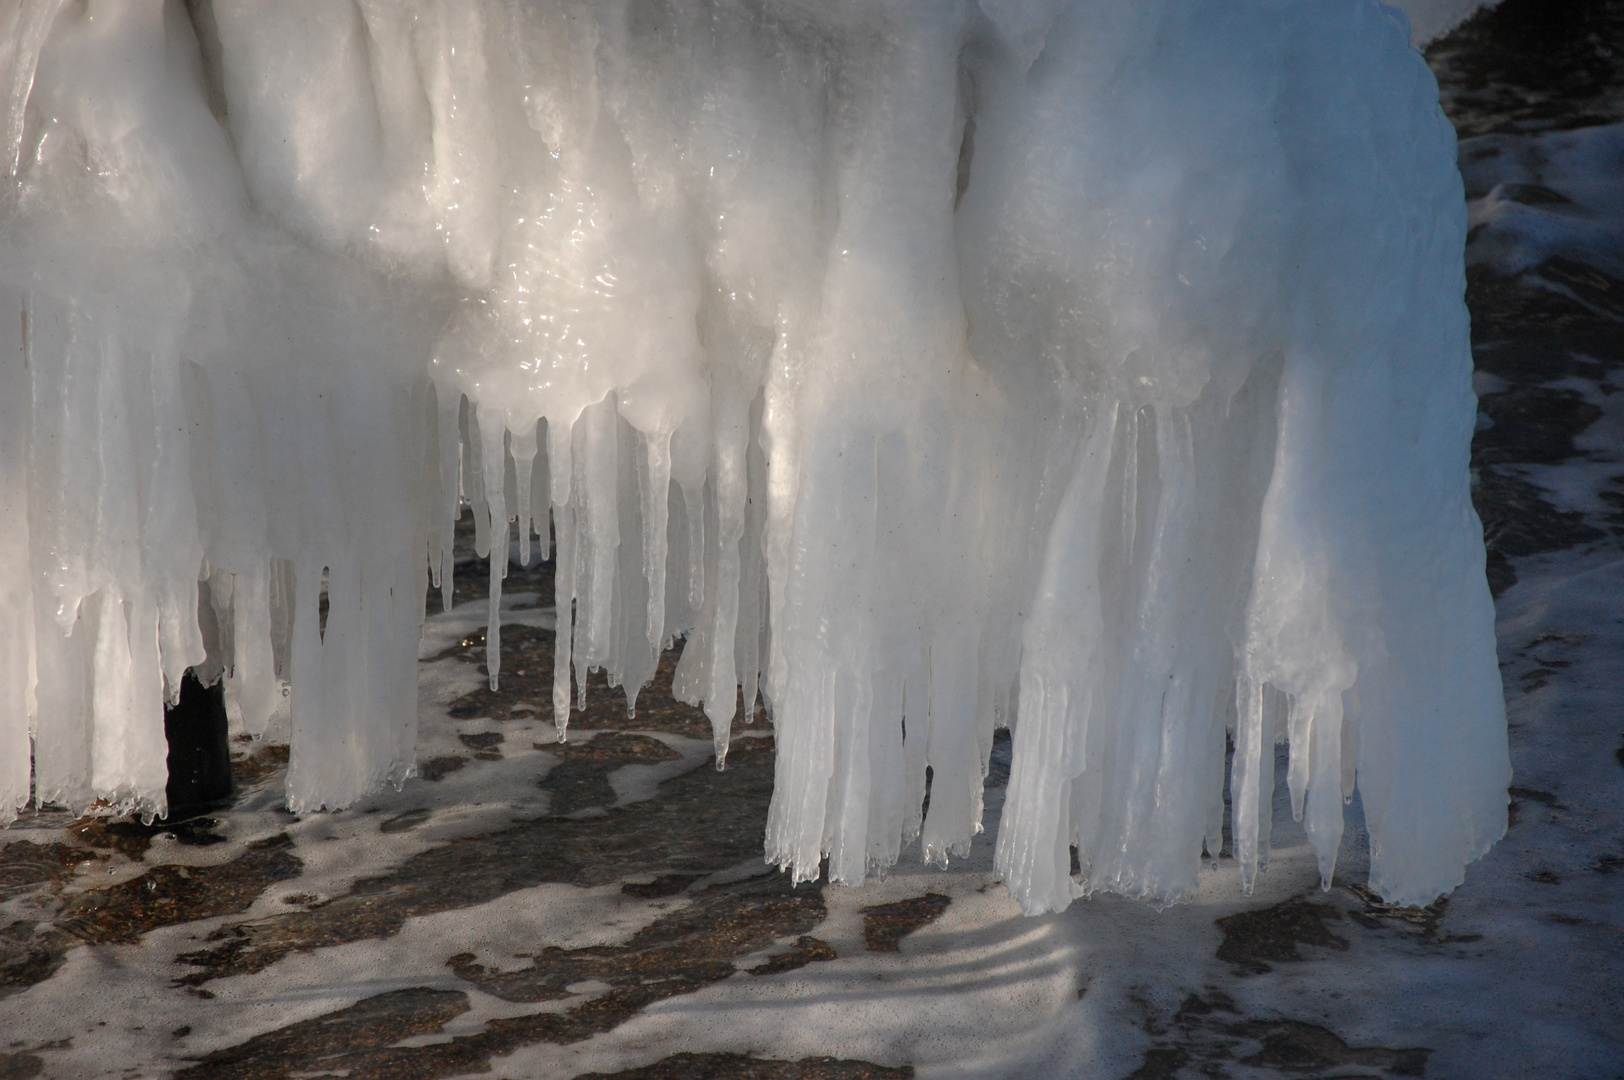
[1093, 369]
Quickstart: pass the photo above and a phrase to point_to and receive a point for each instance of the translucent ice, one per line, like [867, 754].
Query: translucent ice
[1094, 369]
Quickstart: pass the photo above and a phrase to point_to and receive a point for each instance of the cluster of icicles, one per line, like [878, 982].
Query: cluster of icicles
[1094, 369]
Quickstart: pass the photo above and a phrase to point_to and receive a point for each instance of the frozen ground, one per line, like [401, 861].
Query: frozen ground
[531, 910]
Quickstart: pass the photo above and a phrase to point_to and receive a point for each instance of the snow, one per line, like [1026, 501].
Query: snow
[1432, 19]
[1543, 194]
[1096, 370]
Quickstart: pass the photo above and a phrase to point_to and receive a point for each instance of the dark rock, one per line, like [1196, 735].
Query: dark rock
[25, 865]
[885, 925]
[1378, 913]
[1293, 1046]
[1531, 65]
[166, 895]
[581, 779]
[742, 1067]
[251, 769]
[675, 954]
[438, 768]
[32, 951]
[132, 838]
[29, 954]
[1253, 940]
[662, 886]
[1161, 1063]
[1209, 1036]
[347, 1042]
[20, 1066]
[807, 950]
[697, 823]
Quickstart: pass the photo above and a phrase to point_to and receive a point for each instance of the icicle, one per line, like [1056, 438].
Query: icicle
[752, 629]
[18, 666]
[731, 485]
[564, 597]
[1252, 777]
[127, 749]
[541, 486]
[1063, 640]
[523, 448]
[451, 467]
[253, 670]
[952, 753]
[492, 430]
[656, 489]
[475, 479]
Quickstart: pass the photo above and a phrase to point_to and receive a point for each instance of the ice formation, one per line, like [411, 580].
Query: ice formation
[1091, 368]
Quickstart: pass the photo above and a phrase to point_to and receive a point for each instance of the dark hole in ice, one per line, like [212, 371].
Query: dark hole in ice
[322, 605]
[199, 741]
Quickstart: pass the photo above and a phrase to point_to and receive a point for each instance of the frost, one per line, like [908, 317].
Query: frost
[1094, 369]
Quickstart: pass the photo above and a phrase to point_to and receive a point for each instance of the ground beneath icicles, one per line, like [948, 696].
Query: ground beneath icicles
[525, 908]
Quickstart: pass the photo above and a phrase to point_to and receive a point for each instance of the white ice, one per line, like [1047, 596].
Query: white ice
[1098, 370]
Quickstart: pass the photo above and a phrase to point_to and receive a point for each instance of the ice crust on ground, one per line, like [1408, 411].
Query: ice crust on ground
[1098, 370]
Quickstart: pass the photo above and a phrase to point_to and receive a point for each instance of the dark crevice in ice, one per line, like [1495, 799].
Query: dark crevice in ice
[471, 574]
